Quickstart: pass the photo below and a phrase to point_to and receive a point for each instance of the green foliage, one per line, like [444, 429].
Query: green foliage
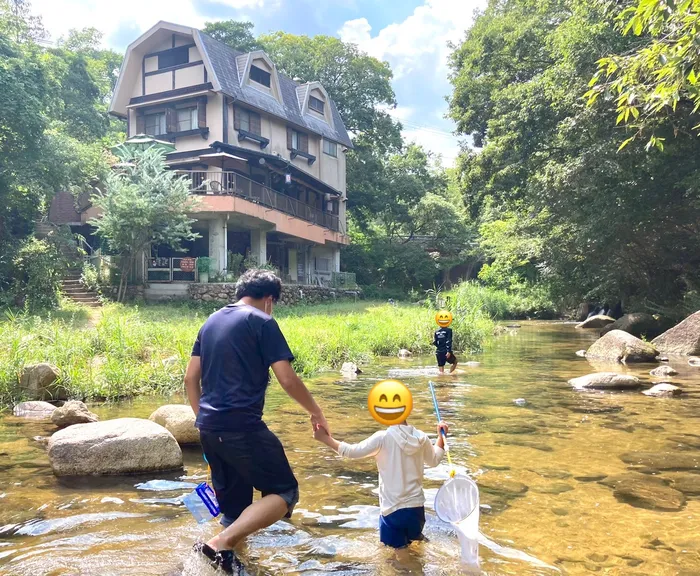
[204, 264]
[659, 80]
[37, 265]
[572, 214]
[90, 277]
[234, 263]
[238, 35]
[143, 204]
[523, 302]
[144, 350]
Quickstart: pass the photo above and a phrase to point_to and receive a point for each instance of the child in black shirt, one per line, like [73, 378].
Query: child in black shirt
[443, 342]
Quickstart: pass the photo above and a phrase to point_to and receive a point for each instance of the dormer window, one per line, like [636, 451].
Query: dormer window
[316, 105]
[260, 76]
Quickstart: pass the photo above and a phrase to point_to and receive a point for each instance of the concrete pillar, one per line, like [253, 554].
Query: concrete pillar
[217, 245]
[258, 245]
[336, 260]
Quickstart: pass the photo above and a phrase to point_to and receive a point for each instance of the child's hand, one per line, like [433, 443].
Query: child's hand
[442, 426]
[321, 434]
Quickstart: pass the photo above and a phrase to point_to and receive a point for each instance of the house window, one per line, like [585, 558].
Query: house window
[173, 57]
[297, 141]
[260, 76]
[323, 265]
[330, 148]
[155, 124]
[316, 105]
[186, 119]
[248, 121]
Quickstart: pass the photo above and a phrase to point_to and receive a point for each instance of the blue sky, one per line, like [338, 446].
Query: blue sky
[411, 35]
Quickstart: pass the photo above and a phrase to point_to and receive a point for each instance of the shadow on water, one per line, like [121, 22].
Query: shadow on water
[587, 483]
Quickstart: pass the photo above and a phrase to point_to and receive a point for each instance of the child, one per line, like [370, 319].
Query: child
[401, 451]
[444, 354]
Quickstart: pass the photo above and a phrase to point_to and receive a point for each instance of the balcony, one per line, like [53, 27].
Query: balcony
[234, 184]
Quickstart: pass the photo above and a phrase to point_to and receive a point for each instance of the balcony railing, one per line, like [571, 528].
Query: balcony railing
[233, 184]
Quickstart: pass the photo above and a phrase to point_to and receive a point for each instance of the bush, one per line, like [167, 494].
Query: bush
[90, 277]
[498, 304]
[38, 266]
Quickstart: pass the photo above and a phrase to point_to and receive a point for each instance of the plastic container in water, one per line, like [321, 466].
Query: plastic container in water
[201, 502]
[457, 502]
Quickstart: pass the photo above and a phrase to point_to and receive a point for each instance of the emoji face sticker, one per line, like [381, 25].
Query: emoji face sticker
[390, 402]
[443, 318]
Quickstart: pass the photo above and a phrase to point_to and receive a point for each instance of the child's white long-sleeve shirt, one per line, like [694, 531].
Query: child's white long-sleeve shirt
[401, 452]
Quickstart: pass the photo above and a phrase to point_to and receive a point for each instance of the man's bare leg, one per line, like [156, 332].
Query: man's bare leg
[441, 369]
[261, 514]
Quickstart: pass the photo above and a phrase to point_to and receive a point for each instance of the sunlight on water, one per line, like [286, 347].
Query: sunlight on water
[560, 490]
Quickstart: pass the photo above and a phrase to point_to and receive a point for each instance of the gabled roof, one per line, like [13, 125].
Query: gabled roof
[225, 64]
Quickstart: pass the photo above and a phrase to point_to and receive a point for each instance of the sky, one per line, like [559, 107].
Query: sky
[412, 35]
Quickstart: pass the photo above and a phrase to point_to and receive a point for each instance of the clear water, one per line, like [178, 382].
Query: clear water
[538, 465]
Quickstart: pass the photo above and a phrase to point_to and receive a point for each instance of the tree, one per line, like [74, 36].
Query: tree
[238, 35]
[657, 83]
[591, 224]
[142, 205]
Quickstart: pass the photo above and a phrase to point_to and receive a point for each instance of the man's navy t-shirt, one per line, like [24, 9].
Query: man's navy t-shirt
[236, 346]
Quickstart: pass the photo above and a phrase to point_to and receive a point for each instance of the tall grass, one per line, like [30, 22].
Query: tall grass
[501, 304]
[129, 350]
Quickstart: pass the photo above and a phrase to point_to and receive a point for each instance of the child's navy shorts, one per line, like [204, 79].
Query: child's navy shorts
[402, 527]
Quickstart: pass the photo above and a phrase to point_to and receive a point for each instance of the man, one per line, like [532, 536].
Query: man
[231, 358]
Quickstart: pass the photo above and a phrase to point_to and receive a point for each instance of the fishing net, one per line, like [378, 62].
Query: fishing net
[457, 502]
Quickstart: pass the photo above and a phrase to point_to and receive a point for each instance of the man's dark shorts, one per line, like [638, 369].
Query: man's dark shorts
[243, 461]
[441, 358]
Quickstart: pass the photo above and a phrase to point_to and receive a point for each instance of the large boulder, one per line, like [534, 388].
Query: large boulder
[121, 446]
[606, 381]
[34, 409]
[179, 420]
[39, 382]
[638, 324]
[598, 321]
[681, 339]
[619, 346]
[663, 390]
[72, 412]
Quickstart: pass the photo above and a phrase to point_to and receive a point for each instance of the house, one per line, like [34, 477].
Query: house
[265, 154]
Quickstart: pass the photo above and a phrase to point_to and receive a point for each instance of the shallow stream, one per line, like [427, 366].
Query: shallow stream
[542, 467]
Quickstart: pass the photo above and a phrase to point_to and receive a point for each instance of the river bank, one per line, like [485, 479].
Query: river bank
[548, 473]
[122, 351]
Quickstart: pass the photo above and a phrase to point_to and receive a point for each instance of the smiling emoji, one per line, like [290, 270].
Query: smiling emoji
[443, 318]
[390, 402]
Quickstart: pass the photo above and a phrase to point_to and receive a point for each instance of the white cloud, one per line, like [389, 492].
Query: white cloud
[60, 16]
[423, 34]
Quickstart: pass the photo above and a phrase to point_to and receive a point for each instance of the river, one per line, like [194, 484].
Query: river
[542, 467]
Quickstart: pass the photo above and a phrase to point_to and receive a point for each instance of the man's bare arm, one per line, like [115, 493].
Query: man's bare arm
[295, 388]
[193, 386]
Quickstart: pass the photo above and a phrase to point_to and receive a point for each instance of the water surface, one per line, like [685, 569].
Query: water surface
[540, 467]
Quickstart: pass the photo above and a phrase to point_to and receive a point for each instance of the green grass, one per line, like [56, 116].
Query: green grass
[125, 351]
[501, 304]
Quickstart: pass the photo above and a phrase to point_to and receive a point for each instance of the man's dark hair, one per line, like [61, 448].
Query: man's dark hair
[258, 284]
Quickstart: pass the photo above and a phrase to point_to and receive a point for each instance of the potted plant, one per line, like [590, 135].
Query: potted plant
[203, 268]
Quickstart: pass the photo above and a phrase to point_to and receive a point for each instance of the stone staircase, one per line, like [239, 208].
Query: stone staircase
[75, 291]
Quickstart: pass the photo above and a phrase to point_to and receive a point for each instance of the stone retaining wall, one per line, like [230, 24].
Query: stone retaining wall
[291, 294]
[133, 292]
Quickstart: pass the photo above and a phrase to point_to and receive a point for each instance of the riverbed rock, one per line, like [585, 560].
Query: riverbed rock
[638, 324]
[581, 353]
[39, 382]
[686, 441]
[606, 381]
[663, 372]
[645, 491]
[663, 390]
[179, 420]
[663, 460]
[404, 354]
[599, 321]
[694, 361]
[619, 346]
[72, 412]
[683, 338]
[350, 370]
[689, 484]
[121, 446]
[34, 410]
[501, 486]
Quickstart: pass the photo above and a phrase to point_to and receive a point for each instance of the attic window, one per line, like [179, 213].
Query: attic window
[260, 76]
[174, 57]
[316, 104]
